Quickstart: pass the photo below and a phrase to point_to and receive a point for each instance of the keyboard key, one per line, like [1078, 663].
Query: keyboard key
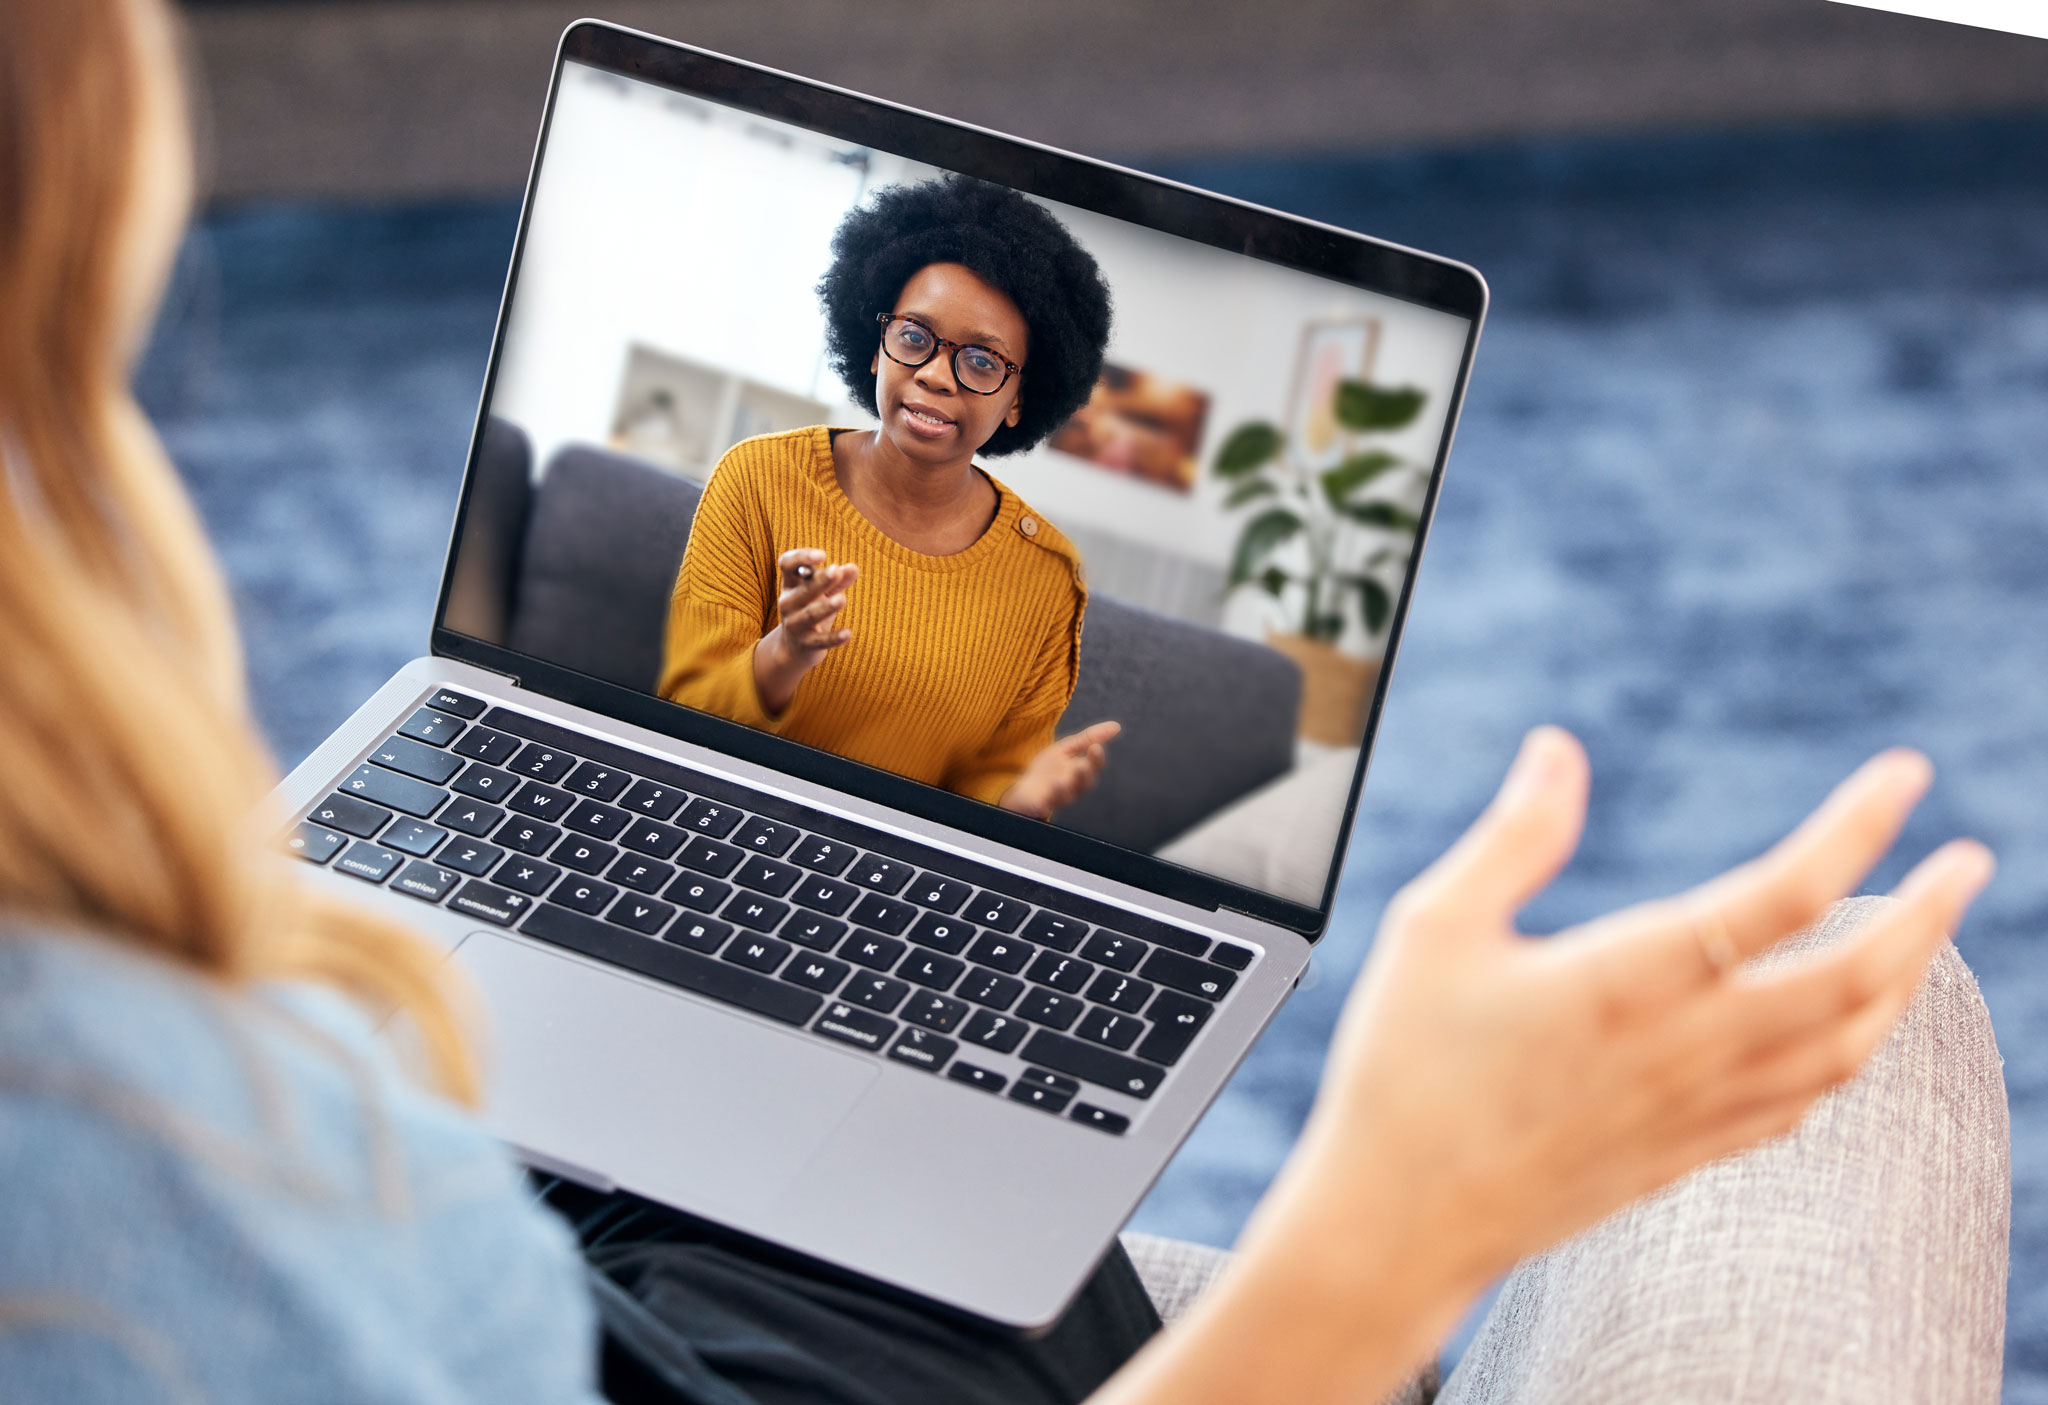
[653, 800]
[995, 910]
[991, 988]
[947, 934]
[705, 934]
[811, 930]
[539, 763]
[1203, 978]
[929, 969]
[472, 817]
[583, 855]
[653, 838]
[1110, 949]
[938, 1012]
[639, 874]
[350, 815]
[596, 782]
[767, 876]
[938, 894]
[585, 895]
[483, 744]
[460, 704]
[1049, 1008]
[410, 758]
[1125, 993]
[371, 862]
[1004, 953]
[413, 837]
[882, 875]
[875, 992]
[1107, 1027]
[542, 802]
[763, 954]
[1057, 1082]
[1093, 1064]
[759, 836]
[1067, 973]
[992, 1031]
[664, 961]
[883, 914]
[703, 894]
[842, 1022]
[1100, 1118]
[425, 881]
[490, 902]
[826, 856]
[1051, 929]
[471, 856]
[1038, 1096]
[824, 895]
[761, 914]
[433, 728]
[819, 973]
[599, 821]
[527, 836]
[643, 914]
[1230, 954]
[314, 844]
[526, 875]
[393, 791]
[873, 950]
[1176, 1019]
[703, 816]
[975, 1076]
[922, 1049]
[710, 856]
[485, 783]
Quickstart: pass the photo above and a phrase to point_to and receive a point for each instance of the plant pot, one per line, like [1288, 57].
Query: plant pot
[1336, 688]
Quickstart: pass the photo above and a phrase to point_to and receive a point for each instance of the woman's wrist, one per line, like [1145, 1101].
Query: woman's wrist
[776, 671]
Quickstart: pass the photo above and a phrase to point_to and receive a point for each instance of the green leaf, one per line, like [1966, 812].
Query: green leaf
[1326, 627]
[1373, 601]
[1249, 489]
[1354, 473]
[1247, 447]
[1274, 580]
[1367, 407]
[1261, 535]
[1381, 514]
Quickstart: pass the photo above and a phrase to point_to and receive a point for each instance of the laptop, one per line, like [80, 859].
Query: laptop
[847, 1013]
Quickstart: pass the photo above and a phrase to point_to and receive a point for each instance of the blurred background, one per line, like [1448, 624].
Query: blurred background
[1747, 487]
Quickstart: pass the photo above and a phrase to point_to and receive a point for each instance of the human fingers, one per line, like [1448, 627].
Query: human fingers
[1521, 840]
[799, 565]
[1090, 738]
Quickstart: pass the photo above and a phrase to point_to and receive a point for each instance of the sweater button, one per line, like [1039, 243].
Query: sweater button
[1028, 526]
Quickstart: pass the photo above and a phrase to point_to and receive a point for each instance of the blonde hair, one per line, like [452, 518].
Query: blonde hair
[133, 787]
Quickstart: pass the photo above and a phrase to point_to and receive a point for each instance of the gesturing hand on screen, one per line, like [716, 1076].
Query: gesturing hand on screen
[1062, 773]
[813, 594]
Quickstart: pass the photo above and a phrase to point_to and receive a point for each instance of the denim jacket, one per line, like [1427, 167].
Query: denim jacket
[209, 1195]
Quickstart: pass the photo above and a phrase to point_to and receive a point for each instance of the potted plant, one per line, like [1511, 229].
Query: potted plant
[1329, 546]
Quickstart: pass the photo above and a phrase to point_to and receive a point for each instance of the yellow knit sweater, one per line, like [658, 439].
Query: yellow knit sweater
[959, 665]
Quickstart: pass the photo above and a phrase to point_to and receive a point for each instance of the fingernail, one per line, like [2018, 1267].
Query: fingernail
[1539, 765]
[1973, 863]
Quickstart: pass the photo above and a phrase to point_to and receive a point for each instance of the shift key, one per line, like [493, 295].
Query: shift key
[401, 793]
[1098, 1065]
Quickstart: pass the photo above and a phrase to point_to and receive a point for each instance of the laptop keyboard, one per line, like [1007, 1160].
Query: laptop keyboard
[762, 903]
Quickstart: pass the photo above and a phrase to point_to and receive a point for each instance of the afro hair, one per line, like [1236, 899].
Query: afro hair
[1011, 243]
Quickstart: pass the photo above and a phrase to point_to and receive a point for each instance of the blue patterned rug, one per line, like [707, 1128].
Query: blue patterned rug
[1749, 487]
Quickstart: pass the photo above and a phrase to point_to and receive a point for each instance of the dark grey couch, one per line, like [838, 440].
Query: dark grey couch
[580, 567]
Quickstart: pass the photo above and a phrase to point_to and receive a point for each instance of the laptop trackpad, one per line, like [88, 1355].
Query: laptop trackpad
[668, 1095]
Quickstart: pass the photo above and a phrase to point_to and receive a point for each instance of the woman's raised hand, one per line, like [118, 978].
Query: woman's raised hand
[813, 592]
[1062, 773]
[1488, 1094]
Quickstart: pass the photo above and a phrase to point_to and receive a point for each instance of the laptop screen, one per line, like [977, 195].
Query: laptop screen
[1082, 518]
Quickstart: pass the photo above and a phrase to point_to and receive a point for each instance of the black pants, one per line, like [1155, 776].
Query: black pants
[692, 1319]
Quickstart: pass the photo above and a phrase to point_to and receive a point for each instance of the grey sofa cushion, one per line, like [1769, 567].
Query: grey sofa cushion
[603, 545]
[1207, 717]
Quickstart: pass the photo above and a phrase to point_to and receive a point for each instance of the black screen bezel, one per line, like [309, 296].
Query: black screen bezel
[1081, 181]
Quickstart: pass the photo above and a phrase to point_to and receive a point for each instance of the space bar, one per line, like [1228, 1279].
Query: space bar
[700, 975]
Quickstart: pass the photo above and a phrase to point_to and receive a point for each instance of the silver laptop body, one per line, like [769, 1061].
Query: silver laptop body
[976, 1175]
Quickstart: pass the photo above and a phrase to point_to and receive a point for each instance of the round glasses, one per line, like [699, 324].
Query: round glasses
[976, 368]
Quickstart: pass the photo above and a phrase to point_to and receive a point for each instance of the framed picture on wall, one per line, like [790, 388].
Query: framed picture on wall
[1139, 424]
[1330, 352]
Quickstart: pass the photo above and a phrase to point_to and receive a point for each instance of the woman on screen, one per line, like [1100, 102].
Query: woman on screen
[874, 592]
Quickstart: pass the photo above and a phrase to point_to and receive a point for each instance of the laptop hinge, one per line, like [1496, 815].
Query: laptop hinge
[511, 678]
[567, 1170]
